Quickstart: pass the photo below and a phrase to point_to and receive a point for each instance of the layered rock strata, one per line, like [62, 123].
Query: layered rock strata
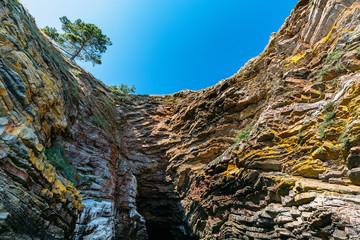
[51, 167]
[269, 153]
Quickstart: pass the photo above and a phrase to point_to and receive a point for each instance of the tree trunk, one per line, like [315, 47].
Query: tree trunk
[77, 52]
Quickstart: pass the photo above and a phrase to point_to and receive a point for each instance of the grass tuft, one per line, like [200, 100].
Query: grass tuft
[243, 135]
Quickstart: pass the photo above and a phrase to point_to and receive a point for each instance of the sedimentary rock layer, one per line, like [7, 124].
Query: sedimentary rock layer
[269, 153]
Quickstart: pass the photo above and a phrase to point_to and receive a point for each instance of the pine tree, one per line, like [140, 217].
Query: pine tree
[80, 40]
[123, 88]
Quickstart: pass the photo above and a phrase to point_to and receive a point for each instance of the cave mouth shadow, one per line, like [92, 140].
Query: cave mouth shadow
[161, 208]
[165, 222]
[157, 231]
[169, 231]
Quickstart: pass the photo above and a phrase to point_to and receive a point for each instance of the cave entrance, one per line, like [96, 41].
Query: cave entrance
[161, 208]
[157, 231]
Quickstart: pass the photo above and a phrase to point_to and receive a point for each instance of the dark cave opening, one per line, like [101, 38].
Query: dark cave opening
[157, 231]
[164, 222]
[161, 209]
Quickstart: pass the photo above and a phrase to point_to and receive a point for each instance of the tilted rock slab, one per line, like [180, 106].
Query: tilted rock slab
[270, 153]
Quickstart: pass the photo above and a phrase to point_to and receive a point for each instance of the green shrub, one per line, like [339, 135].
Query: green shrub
[328, 118]
[334, 56]
[322, 131]
[243, 135]
[123, 88]
[300, 134]
[320, 75]
[340, 68]
[328, 106]
[335, 83]
[344, 141]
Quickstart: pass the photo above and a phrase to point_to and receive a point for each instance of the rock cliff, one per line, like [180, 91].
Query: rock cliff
[272, 152]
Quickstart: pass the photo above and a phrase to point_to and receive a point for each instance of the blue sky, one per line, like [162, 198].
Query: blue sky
[164, 46]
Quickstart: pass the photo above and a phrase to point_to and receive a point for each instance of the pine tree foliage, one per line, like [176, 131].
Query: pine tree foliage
[123, 88]
[80, 40]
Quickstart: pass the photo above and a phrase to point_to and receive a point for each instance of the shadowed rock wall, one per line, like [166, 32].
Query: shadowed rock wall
[271, 152]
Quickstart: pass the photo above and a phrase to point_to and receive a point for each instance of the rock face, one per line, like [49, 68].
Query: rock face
[270, 153]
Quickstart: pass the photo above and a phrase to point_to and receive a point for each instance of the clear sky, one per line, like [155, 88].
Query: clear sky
[164, 46]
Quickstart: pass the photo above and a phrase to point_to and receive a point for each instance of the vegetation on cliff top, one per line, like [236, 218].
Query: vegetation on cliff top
[80, 40]
[123, 88]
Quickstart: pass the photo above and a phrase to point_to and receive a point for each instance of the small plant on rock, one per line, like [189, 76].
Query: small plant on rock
[243, 135]
[320, 75]
[358, 52]
[328, 106]
[328, 118]
[334, 56]
[340, 68]
[335, 83]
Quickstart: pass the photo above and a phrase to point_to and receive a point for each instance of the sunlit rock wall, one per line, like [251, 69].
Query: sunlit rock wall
[271, 152]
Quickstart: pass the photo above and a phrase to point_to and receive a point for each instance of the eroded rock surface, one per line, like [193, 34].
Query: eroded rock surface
[270, 153]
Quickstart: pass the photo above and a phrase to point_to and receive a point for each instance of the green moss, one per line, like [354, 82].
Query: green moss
[243, 135]
[98, 121]
[70, 91]
[57, 156]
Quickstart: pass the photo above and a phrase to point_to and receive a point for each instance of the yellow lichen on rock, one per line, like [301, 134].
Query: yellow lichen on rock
[296, 58]
[309, 168]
